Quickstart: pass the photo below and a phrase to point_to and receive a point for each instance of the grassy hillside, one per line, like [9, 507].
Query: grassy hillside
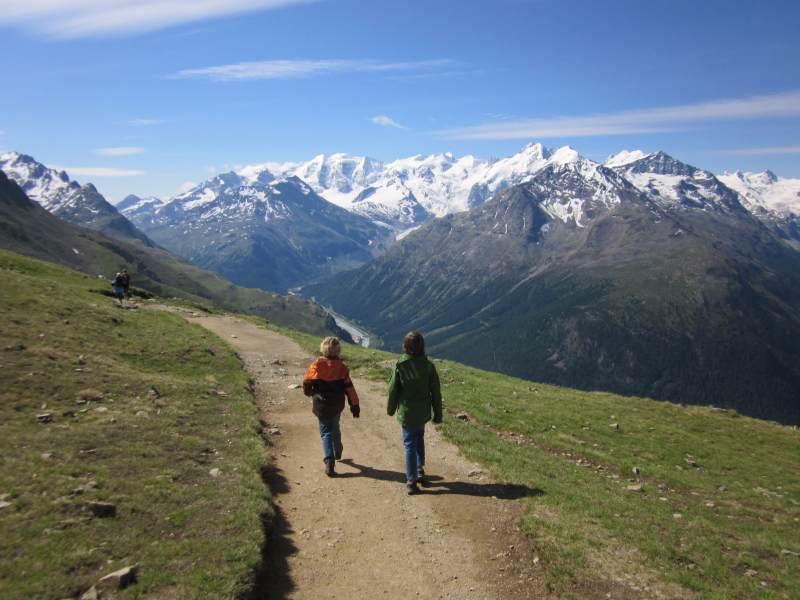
[26, 228]
[68, 355]
[717, 514]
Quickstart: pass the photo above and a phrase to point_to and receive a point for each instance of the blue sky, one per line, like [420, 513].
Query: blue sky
[142, 96]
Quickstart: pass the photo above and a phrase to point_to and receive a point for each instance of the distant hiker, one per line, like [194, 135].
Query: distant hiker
[414, 394]
[121, 285]
[327, 381]
[126, 284]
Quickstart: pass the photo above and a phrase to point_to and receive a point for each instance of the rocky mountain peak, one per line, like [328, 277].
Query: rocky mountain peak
[128, 201]
[535, 150]
[660, 163]
[764, 178]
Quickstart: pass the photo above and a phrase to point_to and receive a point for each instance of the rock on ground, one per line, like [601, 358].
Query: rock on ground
[120, 579]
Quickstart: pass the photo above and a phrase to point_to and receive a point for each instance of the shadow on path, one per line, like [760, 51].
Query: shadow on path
[435, 486]
[271, 577]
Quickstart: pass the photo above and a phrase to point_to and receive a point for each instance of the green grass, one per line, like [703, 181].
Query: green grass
[734, 481]
[192, 535]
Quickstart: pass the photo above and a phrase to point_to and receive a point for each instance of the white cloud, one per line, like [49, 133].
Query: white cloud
[763, 151]
[119, 151]
[100, 171]
[385, 121]
[87, 18]
[186, 186]
[648, 120]
[145, 122]
[295, 69]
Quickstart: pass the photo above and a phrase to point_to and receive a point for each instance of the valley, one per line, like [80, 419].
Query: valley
[359, 336]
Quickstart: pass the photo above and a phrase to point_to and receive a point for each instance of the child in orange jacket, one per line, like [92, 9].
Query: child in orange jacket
[328, 382]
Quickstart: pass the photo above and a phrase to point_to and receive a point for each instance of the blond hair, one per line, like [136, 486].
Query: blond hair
[330, 347]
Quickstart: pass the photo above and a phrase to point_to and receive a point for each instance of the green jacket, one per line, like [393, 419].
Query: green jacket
[414, 392]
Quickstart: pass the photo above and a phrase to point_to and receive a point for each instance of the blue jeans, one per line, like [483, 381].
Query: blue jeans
[414, 442]
[331, 436]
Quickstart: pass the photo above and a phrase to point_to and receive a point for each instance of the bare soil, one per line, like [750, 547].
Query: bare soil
[359, 535]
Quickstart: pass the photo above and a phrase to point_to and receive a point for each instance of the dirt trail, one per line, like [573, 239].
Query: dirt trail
[359, 535]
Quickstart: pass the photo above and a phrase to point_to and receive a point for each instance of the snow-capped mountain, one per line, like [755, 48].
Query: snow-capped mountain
[142, 209]
[775, 201]
[260, 230]
[393, 205]
[765, 191]
[407, 192]
[573, 189]
[772, 199]
[50, 188]
[673, 184]
[340, 176]
[67, 199]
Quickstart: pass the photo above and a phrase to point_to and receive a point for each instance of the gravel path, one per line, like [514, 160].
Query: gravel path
[359, 536]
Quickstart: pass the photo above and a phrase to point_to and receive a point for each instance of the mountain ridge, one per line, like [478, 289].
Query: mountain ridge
[444, 183]
[67, 199]
[263, 231]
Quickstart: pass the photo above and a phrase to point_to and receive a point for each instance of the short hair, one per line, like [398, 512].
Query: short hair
[330, 347]
[414, 343]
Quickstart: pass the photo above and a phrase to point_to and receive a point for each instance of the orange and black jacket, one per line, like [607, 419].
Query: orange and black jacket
[327, 381]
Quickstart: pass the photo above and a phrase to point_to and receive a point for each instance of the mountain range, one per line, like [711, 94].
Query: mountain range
[642, 274]
[421, 187]
[408, 192]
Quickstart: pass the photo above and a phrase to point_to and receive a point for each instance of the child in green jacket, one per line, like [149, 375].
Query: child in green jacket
[414, 394]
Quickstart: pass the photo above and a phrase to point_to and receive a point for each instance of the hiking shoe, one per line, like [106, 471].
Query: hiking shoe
[329, 462]
[411, 488]
[339, 453]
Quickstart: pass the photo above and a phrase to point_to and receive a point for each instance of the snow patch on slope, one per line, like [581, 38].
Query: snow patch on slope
[624, 157]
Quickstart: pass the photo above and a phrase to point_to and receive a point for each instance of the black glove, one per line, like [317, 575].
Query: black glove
[356, 410]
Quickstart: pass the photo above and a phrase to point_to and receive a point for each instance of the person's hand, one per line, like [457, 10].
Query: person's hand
[356, 410]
